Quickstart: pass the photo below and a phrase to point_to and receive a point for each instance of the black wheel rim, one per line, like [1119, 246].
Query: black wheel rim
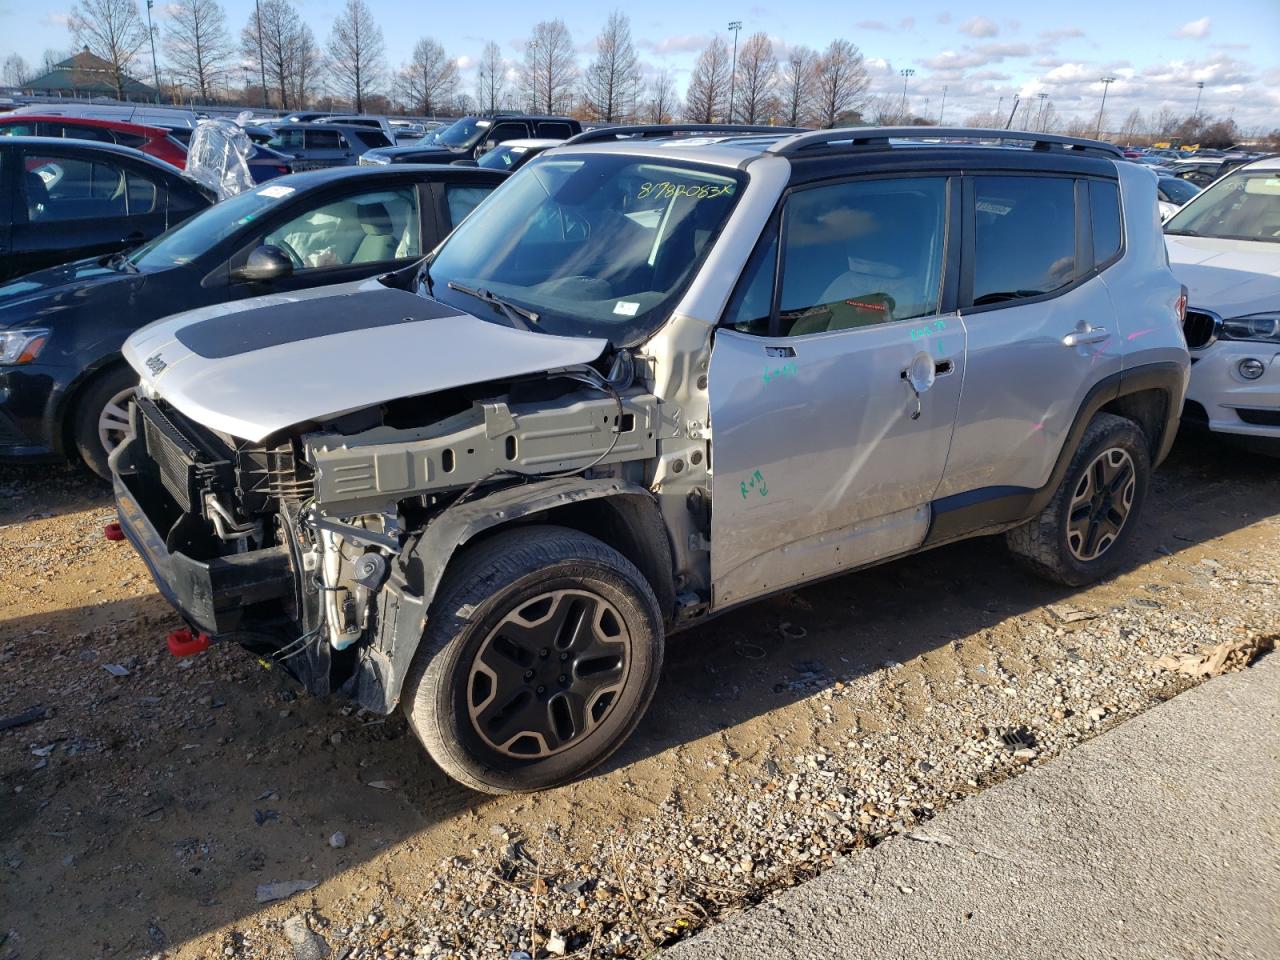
[1101, 504]
[548, 674]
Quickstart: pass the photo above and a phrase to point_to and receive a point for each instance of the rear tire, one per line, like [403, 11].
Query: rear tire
[542, 651]
[1081, 535]
[101, 417]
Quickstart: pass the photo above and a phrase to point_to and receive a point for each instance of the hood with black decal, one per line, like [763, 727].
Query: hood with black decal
[253, 367]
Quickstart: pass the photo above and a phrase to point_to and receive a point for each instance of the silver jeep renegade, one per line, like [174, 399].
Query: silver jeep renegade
[647, 380]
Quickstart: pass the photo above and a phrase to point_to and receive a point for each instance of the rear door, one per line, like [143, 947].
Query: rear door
[74, 204]
[825, 456]
[1041, 330]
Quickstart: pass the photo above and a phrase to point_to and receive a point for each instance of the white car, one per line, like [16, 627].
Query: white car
[1224, 245]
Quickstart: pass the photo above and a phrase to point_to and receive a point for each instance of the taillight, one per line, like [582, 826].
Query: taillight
[1182, 305]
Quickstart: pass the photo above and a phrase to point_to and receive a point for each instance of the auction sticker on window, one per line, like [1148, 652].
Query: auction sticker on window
[626, 308]
[275, 191]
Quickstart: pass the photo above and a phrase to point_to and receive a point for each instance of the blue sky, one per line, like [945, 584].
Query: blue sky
[982, 54]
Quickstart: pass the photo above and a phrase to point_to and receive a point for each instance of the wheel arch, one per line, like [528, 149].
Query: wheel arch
[623, 515]
[62, 428]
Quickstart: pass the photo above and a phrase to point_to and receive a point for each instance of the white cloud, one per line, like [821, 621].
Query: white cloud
[976, 56]
[871, 25]
[907, 23]
[56, 19]
[464, 62]
[980, 27]
[1196, 29]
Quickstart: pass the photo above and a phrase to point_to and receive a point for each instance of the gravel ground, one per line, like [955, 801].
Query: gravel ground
[161, 800]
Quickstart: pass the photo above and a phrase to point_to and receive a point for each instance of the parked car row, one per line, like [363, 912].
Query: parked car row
[448, 446]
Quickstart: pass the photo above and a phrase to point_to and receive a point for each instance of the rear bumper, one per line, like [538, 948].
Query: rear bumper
[210, 595]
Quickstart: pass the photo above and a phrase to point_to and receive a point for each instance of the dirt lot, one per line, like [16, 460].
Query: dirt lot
[141, 816]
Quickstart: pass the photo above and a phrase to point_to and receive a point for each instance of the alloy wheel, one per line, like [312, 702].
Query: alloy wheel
[548, 674]
[113, 421]
[1101, 504]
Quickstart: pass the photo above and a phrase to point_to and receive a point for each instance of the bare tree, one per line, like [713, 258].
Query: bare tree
[356, 52]
[840, 83]
[757, 79]
[886, 110]
[707, 98]
[112, 30]
[51, 58]
[491, 78]
[613, 80]
[550, 67]
[429, 77]
[662, 103]
[15, 71]
[1134, 124]
[1162, 124]
[796, 86]
[289, 55]
[197, 44]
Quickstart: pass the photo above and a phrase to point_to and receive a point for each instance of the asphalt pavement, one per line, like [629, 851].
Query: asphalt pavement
[1158, 839]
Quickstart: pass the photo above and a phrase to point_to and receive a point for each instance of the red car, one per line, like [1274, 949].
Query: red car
[156, 141]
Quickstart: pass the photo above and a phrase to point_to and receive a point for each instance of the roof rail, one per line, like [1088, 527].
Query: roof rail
[650, 131]
[878, 138]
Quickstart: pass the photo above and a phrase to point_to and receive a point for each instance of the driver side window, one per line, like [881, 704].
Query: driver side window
[375, 227]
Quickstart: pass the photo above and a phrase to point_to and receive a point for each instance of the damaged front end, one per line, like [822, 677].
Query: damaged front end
[319, 547]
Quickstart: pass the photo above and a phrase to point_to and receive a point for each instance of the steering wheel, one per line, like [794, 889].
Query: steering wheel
[291, 253]
[574, 227]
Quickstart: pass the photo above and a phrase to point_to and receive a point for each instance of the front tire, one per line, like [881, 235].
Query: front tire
[541, 654]
[1081, 535]
[102, 417]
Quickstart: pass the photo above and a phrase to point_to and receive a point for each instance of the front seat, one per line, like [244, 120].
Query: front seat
[37, 195]
[379, 242]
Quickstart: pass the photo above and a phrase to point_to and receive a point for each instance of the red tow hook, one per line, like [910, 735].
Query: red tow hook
[112, 531]
[183, 643]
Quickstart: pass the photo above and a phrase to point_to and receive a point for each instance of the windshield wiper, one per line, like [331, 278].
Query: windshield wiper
[121, 261]
[519, 316]
[1182, 233]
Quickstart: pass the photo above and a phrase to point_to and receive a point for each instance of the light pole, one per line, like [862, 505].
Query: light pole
[942, 112]
[1199, 90]
[1106, 82]
[262, 60]
[151, 31]
[906, 73]
[736, 27]
[1040, 115]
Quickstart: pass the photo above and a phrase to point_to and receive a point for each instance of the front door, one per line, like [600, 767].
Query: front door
[834, 383]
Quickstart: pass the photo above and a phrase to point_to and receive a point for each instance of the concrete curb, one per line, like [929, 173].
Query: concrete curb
[1158, 839]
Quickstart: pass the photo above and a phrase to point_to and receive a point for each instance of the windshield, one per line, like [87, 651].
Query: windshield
[502, 157]
[195, 237]
[460, 133]
[1242, 206]
[596, 246]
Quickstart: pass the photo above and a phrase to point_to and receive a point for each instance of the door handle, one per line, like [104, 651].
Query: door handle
[134, 237]
[1084, 334]
[779, 351]
[943, 367]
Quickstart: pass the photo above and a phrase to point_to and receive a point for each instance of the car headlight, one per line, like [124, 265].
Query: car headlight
[1257, 326]
[21, 346]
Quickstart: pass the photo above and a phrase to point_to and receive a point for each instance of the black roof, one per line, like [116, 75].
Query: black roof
[93, 146]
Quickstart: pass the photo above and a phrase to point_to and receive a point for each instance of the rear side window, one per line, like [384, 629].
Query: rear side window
[78, 131]
[286, 140]
[372, 138]
[1104, 212]
[1024, 237]
[18, 130]
[69, 188]
[324, 140]
[554, 130]
[461, 199]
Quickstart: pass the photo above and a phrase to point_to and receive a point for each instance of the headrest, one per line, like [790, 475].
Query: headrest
[374, 218]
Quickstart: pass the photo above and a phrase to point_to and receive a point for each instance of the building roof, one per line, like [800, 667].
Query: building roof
[86, 73]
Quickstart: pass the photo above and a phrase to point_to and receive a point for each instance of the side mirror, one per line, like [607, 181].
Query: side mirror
[486, 147]
[267, 262]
